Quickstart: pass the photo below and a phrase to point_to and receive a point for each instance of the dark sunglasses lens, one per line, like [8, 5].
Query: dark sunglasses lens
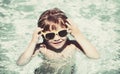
[63, 33]
[50, 36]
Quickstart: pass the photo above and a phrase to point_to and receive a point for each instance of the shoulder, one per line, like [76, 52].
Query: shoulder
[73, 42]
[76, 44]
[38, 46]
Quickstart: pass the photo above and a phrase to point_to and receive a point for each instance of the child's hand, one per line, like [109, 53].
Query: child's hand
[74, 30]
[37, 34]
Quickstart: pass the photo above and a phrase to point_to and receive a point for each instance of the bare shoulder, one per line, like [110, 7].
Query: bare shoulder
[76, 44]
[38, 48]
[73, 43]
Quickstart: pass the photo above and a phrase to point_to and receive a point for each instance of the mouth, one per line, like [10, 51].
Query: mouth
[58, 42]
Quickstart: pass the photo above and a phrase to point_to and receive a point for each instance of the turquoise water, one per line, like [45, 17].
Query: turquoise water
[97, 19]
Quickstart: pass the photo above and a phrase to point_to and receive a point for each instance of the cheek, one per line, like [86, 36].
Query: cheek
[49, 41]
[62, 38]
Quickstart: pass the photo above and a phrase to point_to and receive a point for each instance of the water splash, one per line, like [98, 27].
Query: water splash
[98, 20]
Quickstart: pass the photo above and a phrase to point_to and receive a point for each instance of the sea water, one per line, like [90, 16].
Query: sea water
[98, 20]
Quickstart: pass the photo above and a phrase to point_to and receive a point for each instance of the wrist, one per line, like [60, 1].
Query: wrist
[75, 33]
[35, 40]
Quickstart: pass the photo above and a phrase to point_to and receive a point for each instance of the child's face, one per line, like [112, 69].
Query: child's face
[56, 38]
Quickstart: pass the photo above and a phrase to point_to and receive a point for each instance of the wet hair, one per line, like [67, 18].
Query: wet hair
[50, 19]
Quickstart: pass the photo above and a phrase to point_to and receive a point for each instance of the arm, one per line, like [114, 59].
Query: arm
[28, 53]
[86, 46]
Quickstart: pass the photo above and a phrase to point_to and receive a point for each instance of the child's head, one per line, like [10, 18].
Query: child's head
[51, 19]
[54, 26]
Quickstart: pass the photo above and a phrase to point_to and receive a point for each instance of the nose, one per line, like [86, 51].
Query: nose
[57, 37]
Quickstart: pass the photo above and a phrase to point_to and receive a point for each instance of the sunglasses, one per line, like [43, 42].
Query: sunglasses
[51, 35]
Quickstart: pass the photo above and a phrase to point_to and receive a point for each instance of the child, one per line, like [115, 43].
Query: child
[58, 51]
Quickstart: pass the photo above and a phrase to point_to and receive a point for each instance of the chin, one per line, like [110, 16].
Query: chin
[57, 46]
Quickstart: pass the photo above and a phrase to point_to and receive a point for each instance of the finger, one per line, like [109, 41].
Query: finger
[69, 29]
[68, 20]
[38, 30]
[68, 25]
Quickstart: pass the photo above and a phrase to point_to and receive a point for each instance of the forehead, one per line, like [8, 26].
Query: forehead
[57, 28]
[50, 26]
